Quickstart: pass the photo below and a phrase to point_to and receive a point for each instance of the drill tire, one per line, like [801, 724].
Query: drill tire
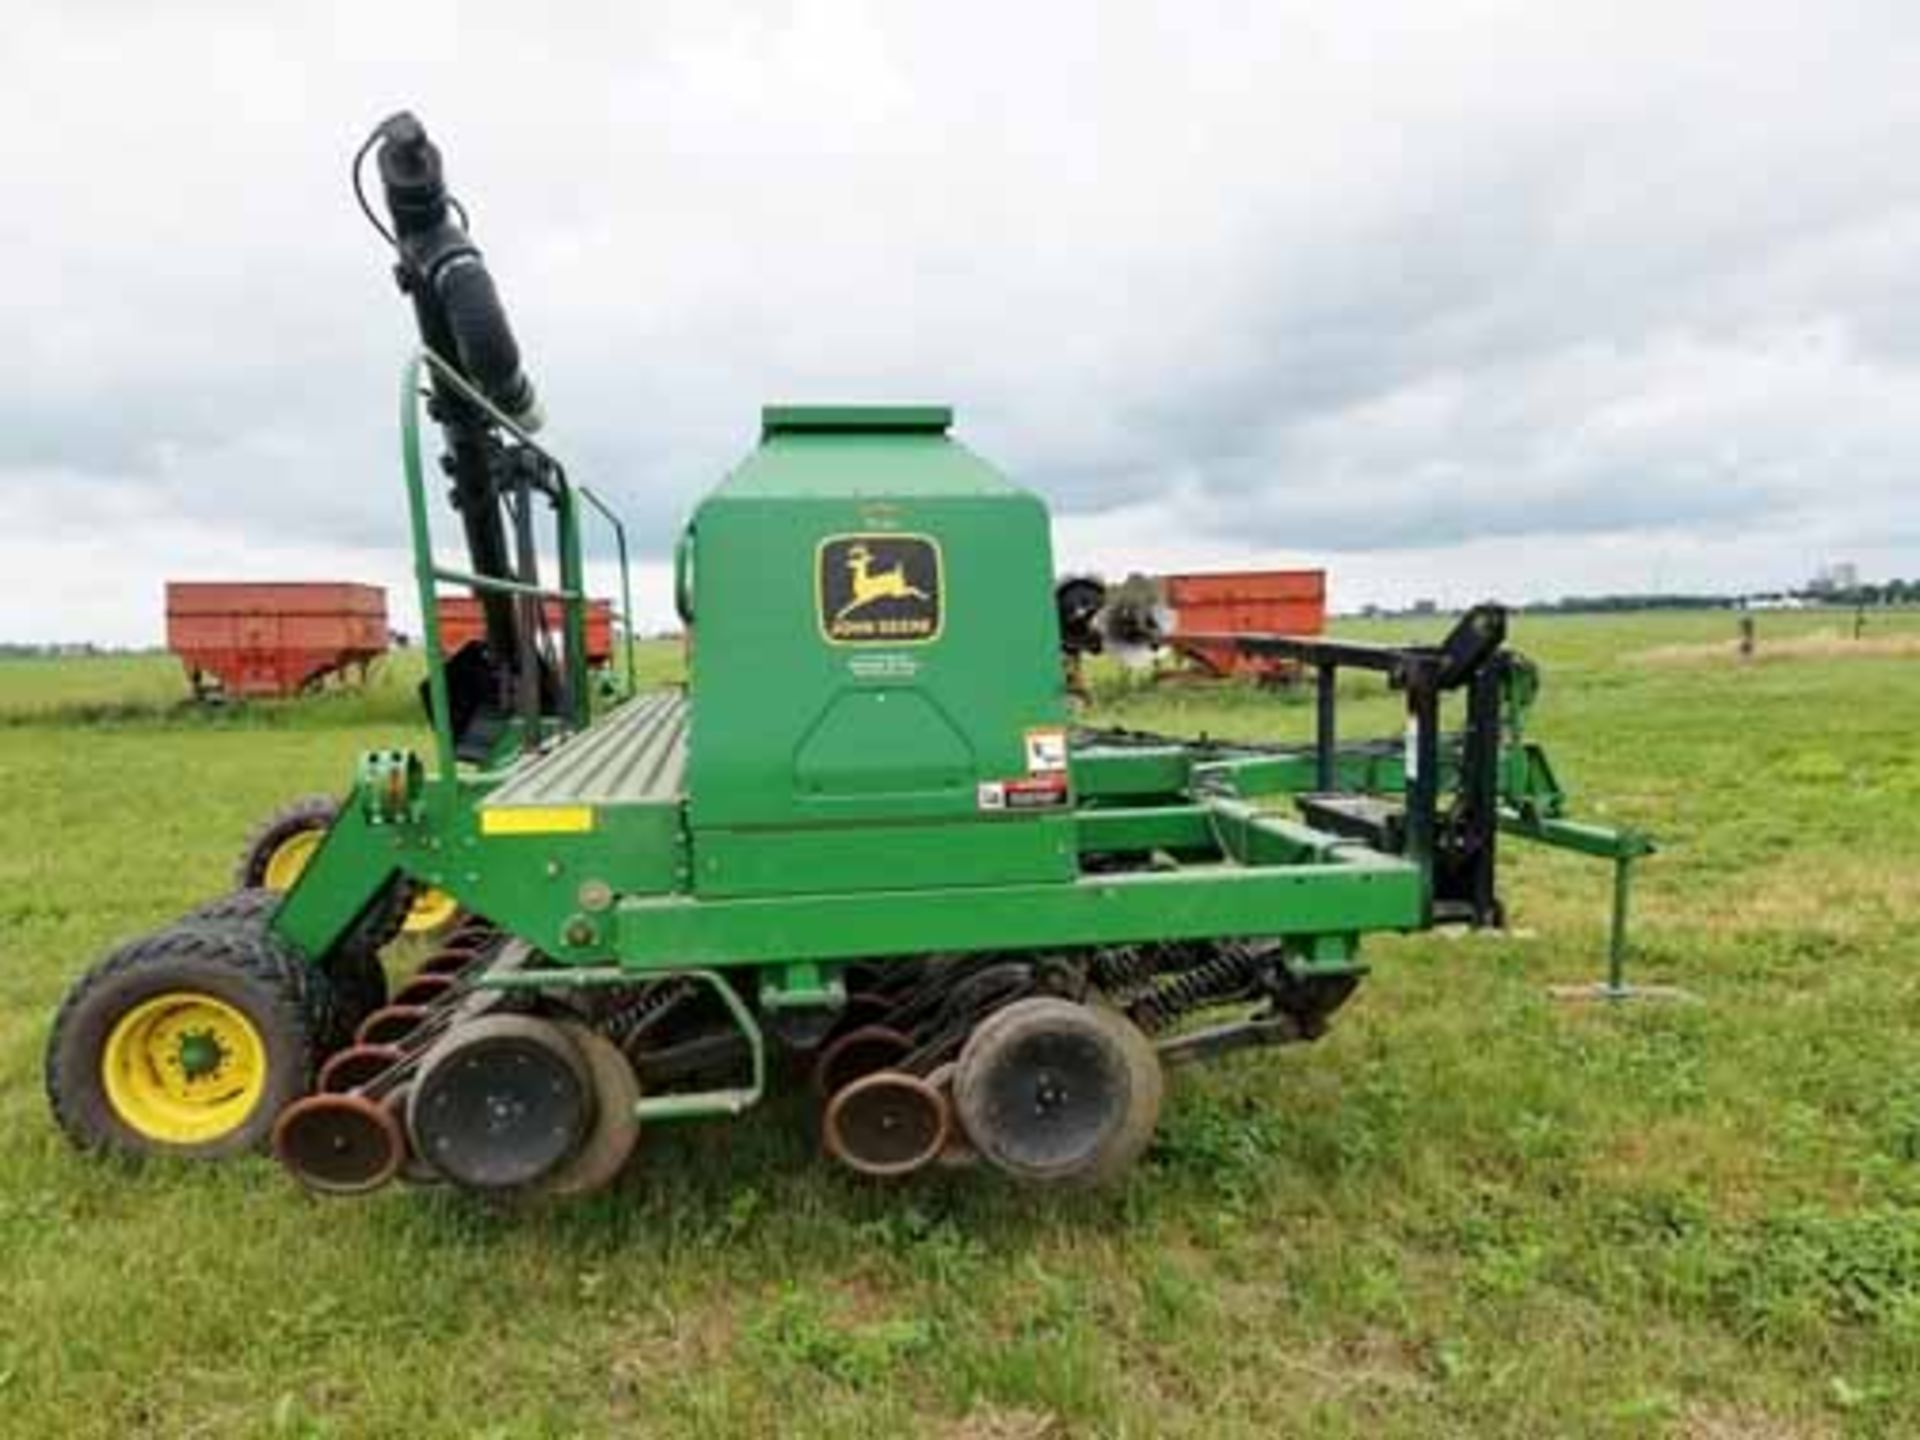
[250, 974]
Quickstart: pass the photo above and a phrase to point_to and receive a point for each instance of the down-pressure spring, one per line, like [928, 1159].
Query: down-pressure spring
[1232, 971]
[631, 1016]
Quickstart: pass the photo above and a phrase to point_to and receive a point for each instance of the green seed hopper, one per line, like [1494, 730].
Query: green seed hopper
[865, 843]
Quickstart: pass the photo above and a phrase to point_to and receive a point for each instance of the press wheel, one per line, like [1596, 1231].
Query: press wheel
[1055, 1092]
[607, 1147]
[501, 1102]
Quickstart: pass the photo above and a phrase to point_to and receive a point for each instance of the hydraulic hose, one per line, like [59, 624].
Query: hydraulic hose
[483, 339]
[444, 270]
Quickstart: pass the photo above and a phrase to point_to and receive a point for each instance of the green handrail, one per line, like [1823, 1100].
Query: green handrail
[428, 575]
[440, 711]
[626, 581]
[504, 587]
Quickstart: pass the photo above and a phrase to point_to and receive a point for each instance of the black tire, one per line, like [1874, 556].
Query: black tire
[249, 973]
[310, 812]
[252, 906]
[351, 985]
[1058, 1093]
[382, 922]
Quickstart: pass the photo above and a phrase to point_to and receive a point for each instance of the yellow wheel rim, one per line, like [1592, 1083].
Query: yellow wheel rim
[432, 909]
[184, 1068]
[289, 858]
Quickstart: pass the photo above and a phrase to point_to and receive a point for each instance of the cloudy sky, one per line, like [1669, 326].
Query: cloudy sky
[1455, 297]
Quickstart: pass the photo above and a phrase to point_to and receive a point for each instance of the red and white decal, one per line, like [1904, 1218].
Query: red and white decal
[1036, 792]
[1025, 792]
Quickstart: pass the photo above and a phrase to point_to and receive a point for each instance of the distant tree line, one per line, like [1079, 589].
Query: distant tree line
[26, 650]
[54, 649]
[1607, 604]
[1890, 592]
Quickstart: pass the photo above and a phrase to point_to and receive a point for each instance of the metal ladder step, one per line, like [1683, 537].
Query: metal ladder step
[1381, 823]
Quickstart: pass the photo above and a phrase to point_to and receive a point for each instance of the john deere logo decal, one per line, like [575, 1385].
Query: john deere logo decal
[879, 589]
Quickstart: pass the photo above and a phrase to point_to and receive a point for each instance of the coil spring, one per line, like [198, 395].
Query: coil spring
[1228, 973]
[1128, 968]
[1123, 969]
[632, 1013]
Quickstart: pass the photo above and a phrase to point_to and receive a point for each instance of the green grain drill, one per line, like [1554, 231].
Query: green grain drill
[865, 844]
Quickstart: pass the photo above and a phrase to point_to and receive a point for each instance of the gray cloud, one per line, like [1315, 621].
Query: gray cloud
[1390, 279]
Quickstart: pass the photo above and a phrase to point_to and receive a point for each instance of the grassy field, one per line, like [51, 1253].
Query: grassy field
[1469, 1211]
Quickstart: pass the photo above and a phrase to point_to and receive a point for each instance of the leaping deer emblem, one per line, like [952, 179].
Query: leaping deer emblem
[870, 585]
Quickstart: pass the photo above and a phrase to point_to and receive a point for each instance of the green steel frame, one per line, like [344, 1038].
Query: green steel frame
[604, 891]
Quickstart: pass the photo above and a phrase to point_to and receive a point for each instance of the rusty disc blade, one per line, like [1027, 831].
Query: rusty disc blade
[354, 1066]
[888, 1123]
[339, 1144]
[861, 1009]
[390, 1024]
[423, 989]
[857, 1053]
[413, 1170]
[958, 1152]
[472, 930]
[450, 960]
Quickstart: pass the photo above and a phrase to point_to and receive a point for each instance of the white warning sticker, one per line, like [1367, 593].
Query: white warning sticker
[993, 795]
[1047, 751]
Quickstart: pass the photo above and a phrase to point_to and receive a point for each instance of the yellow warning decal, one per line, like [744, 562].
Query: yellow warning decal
[537, 820]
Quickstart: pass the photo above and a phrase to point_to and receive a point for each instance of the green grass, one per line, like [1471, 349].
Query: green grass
[69, 688]
[1470, 1210]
